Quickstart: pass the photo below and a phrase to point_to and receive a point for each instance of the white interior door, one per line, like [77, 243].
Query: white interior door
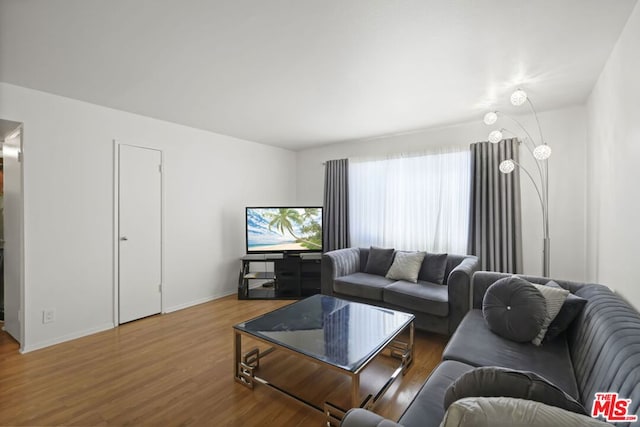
[140, 232]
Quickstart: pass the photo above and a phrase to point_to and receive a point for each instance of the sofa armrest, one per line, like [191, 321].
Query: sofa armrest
[362, 418]
[338, 263]
[459, 290]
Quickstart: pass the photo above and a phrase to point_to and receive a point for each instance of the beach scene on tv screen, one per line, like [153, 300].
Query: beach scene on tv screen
[284, 229]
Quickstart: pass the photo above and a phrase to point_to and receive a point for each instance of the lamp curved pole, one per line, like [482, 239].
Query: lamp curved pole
[521, 127]
[535, 114]
[530, 151]
[537, 188]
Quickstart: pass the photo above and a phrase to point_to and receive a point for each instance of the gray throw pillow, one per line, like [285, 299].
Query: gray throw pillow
[501, 382]
[379, 261]
[572, 306]
[514, 309]
[433, 268]
[554, 298]
[406, 266]
[510, 412]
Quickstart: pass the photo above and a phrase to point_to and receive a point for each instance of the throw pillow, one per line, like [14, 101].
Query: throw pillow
[572, 306]
[554, 298]
[434, 268]
[406, 266]
[514, 309]
[509, 412]
[493, 381]
[379, 261]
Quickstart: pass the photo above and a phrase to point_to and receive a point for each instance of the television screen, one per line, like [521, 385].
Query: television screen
[284, 229]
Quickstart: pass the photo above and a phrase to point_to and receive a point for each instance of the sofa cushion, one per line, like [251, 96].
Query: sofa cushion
[514, 309]
[554, 298]
[379, 261]
[492, 381]
[363, 285]
[572, 306]
[433, 268]
[426, 410]
[422, 296]
[406, 266]
[508, 412]
[475, 344]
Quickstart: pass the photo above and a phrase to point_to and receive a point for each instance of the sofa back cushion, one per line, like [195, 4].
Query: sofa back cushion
[604, 343]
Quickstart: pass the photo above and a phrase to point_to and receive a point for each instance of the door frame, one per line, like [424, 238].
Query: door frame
[116, 227]
[19, 130]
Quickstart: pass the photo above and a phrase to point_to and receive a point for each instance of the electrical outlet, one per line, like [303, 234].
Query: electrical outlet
[48, 315]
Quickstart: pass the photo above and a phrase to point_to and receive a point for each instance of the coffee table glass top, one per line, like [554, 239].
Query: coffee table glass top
[341, 333]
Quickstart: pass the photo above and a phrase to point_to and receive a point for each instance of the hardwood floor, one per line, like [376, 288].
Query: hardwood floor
[176, 369]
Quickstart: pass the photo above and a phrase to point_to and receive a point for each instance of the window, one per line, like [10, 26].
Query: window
[411, 203]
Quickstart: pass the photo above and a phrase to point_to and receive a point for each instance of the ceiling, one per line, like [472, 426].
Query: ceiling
[298, 73]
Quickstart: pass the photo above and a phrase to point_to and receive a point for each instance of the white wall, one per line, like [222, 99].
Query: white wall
[564, 130]
[68, 188]
[613, 111]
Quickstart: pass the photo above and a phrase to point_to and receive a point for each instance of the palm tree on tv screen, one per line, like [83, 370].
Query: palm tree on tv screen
[285, 219]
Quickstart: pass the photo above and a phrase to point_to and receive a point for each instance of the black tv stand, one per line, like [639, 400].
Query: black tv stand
[279, 276]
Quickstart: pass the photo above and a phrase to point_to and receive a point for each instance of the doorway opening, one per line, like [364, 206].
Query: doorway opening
[11, 231]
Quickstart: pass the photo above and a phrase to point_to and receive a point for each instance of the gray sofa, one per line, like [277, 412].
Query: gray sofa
[438, 308]
[600, 352]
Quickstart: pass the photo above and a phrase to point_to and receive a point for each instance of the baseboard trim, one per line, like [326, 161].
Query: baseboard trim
[42, 344]
[197, 302]
[47, 343]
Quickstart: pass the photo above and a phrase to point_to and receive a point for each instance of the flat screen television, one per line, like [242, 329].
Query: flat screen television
[283, 229]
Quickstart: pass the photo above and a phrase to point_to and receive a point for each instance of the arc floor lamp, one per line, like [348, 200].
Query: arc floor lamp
[540, 152]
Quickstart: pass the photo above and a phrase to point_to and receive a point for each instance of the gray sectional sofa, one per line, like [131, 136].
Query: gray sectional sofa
[438, 307]
[599, 352]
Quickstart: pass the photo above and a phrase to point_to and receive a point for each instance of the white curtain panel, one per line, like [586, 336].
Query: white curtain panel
[411, 203]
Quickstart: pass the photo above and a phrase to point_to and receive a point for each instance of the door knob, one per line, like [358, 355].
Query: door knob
[124, 238]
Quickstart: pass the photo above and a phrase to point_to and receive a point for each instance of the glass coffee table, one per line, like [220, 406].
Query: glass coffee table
[337, 334]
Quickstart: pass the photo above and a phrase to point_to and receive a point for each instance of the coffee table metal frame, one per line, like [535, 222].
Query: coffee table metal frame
[245, 367]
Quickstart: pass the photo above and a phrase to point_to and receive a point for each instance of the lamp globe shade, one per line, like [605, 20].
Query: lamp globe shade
[518, 97]
[495, 136]
[490, 118]
[507, 166]
[542, 152]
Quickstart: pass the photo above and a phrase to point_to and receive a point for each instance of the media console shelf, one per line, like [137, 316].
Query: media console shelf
[279, 276]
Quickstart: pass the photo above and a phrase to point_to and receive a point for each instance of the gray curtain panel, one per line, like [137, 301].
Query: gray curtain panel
[495, 233]
[336, 205]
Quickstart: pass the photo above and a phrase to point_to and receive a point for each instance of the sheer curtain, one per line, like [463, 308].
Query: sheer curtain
[411, 203]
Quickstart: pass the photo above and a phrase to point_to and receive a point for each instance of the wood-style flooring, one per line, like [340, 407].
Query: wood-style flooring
[176, 370]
